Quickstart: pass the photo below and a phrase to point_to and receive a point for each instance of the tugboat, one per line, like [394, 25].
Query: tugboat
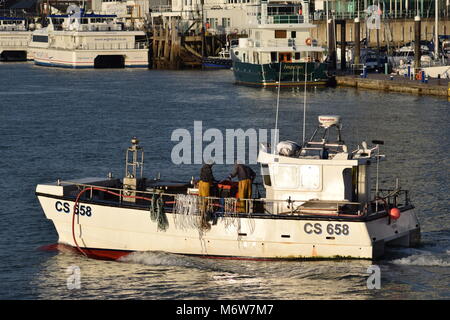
[280, 50]
[318, 204]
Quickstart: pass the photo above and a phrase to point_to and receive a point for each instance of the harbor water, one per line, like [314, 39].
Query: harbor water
[65, 124]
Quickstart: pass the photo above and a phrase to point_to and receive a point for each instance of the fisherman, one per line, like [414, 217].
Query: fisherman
[206, 179]
[204, 190]
[245, 176]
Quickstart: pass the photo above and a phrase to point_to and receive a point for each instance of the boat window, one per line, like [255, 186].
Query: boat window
[286, 176]
[273, 56]
[280, 34]
[293, 34]
[40, 38]
[309, 177]
[266, 174]
[297, 56]
[347, 175]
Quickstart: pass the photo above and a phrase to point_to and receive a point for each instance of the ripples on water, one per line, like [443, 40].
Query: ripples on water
[68, 124]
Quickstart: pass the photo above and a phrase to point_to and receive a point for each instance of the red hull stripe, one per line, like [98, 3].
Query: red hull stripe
[110, 254]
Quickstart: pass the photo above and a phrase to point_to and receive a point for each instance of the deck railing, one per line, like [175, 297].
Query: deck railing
[228, 205]
[13, 43]
[110, 46]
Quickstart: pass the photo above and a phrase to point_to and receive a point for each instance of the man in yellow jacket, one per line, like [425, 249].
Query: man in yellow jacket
[204, 189]
[245, 176]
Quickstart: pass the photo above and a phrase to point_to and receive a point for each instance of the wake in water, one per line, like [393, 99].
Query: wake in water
[430, 253]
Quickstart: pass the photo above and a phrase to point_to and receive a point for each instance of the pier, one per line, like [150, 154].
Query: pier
[172, 49]
[396, 83]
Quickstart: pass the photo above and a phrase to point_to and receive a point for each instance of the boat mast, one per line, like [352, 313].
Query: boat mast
[304, 101]
[278, 106]
[436, 33]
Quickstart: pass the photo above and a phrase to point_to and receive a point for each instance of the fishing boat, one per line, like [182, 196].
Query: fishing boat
[88, 41]
[14, 39]
[280, 49]
[318, 203]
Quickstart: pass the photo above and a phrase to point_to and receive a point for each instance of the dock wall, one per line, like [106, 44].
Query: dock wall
[396, 85]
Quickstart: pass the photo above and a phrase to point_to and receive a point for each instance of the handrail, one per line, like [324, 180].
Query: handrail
[249, 204]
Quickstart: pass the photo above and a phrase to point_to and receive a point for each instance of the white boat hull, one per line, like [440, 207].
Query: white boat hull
[133, 58]
[113, 231]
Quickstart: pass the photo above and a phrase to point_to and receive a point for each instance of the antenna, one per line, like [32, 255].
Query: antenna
[278, 106]
[304, 101]
[378, 143]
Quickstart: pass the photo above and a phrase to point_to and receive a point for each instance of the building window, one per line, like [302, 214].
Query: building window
[226, 22]
[211, 23]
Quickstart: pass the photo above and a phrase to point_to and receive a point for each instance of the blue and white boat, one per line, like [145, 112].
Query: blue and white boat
[222, 61]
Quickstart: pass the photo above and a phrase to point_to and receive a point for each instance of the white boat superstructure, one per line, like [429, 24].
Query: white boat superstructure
[318, 204]
[14, 39]
[88, 41]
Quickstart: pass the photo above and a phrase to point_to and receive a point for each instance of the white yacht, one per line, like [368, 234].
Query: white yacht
[318, 203]
[88, 41]
[14, 39]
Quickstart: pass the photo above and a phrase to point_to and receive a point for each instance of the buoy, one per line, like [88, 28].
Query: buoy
[394, 213]
[308, 41]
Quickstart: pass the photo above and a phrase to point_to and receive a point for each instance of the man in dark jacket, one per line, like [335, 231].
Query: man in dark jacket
[206, 180]
[245, 176]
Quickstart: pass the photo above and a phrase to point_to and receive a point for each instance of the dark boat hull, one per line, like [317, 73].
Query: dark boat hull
[217, 63]
[292, 74]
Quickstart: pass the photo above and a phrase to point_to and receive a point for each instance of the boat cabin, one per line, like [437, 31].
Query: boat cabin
[12, 24]
[320, 170]
[85, 22]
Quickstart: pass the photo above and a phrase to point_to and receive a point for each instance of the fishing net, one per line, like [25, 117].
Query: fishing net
[157, 213]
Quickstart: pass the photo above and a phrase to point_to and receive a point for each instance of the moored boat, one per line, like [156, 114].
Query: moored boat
[14, 39]
[280, 50]
[88, 41]
[222, 61]
[318, 203]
